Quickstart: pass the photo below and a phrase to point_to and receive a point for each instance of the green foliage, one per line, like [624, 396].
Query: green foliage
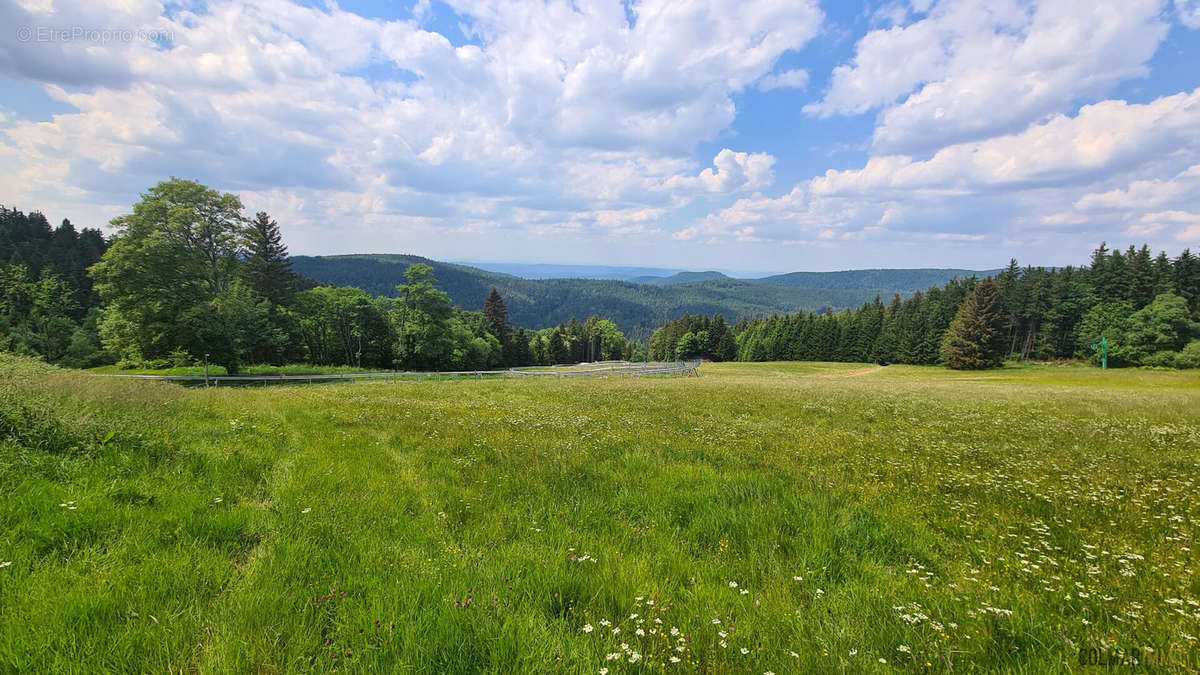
[637, 309]
[1105, 320]
[691, 345]
[342, 327]
[1190, 356]
[1163, 325]
[174, 255]
[425, 323]
[973, 341]
[232, 325]
[266, 268]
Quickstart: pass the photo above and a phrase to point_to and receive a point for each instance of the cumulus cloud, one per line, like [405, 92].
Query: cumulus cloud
[1003, 188]
[979, 68]
[558, 111]
[731, 172]
[1101, 137]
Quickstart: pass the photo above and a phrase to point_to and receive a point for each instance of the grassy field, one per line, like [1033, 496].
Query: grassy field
[761, 518]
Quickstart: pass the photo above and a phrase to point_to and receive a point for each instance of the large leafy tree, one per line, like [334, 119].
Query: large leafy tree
[177, 252]
[423, 319]
[975, 339]
[1164, 325]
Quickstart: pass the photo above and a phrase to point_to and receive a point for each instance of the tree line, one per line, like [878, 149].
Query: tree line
[1145, 307]
[187, 276]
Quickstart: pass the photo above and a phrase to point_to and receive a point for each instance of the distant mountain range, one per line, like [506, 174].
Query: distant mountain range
[638, 303]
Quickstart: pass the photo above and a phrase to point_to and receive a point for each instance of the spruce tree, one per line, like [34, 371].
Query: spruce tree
[975, 340]
[268, 271]
[497, 317]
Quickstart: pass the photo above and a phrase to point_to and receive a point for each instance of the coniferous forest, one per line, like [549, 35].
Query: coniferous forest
[188, 274]
[1145, 305]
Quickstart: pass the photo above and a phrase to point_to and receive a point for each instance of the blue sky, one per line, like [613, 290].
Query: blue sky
[767, 135]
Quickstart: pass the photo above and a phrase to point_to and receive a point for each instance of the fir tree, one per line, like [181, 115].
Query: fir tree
[975, 340]
[268, 271]
[497, 317]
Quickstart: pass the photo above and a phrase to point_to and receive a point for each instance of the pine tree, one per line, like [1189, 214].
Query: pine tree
[268, 271]
[975, 340]
[497, 317]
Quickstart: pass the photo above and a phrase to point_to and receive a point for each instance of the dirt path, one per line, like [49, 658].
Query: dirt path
[852, 373]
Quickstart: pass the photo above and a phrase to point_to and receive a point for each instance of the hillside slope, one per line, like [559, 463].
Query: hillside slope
[541, 303]
[897, 280]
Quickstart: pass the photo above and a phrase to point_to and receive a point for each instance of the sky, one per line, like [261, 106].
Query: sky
[765, 135]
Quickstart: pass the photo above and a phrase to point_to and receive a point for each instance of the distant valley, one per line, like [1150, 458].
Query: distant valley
[637, 303]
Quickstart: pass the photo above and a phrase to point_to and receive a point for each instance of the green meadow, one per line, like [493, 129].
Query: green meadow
[762, 518]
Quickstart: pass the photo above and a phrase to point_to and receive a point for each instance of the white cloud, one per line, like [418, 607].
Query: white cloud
[1146, 194]
[564, 114]
[1189, 12]
[731, 172]
[1009, 186]
[789, 79]
[970, 70]
[1102, 137]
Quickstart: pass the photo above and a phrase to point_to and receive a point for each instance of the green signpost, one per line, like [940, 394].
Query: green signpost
[1102, 346]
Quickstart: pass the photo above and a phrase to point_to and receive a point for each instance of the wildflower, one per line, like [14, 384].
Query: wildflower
[820, 592]
[883, 661]
[674, 659]
[723, 645]
[632, 616]
[640, 633]
[733, 584]
[768, 672]
[587, 627]
[716, 622]
[605, 622]
[745, 592]
[722, 633]
[6, 563]
[635, 657]
[797, 578]
[794, 655]
[853, 652]
[616, 630]
[674, 630]
[744, 651]
[306, 510]
[904, 648]
[604, 671]
[612, 657]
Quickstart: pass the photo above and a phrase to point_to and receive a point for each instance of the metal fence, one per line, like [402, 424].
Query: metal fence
[624, 368]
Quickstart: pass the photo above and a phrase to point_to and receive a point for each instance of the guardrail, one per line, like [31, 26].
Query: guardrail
[628, 368]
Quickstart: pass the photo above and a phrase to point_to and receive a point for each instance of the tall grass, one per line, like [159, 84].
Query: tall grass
[760, 518]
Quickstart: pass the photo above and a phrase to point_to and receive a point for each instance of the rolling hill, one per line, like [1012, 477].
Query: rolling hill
[638, 308]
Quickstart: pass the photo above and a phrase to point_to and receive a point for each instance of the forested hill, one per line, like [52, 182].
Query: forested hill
[680, 278]
[636, 308]
[901, 280]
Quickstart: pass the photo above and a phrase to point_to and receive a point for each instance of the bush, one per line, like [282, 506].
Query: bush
[1163, 359]
[1190, 356]
[180, 358]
